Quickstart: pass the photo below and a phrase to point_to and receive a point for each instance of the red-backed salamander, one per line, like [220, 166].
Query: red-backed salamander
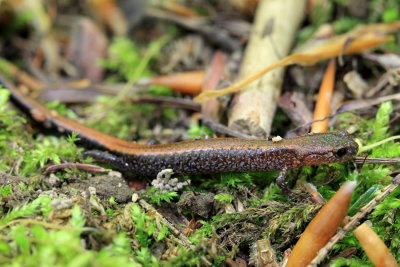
[215, 155]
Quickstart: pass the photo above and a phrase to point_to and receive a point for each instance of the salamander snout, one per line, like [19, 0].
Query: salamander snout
[330, 148]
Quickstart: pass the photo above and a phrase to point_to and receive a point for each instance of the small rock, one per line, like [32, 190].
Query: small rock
[199, 204]
[92, 190]
[54, 180]
[60, 204]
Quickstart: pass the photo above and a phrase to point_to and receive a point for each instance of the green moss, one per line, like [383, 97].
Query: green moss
[156, 197]
[354, 261]
[383, 10]
[19, 148]
[41, 204]
[124, 56]
[224, 198]
[31, 247]
[199, 131]
[385, 218]
[321, 13]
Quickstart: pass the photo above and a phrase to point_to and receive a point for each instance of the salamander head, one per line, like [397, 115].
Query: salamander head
[328, 148]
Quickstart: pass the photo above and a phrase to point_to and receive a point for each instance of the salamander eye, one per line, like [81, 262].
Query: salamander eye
[341, 152]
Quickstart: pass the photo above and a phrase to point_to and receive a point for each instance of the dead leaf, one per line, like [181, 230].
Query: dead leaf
[362, 38]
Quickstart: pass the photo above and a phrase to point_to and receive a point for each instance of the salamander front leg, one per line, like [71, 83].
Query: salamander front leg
[281, 182]
[119, 164]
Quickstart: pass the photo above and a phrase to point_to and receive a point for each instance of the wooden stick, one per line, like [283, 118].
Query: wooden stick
[272, 36]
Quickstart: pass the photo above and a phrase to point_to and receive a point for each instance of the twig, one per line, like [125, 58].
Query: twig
[149, 208]
[222, 129]
[169, 101]
[214, 35]
[6, 178]
[366, 103]
[362, 160]
[78, 166]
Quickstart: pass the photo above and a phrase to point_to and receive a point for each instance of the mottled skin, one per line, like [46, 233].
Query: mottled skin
[234, 155]
[201, 156]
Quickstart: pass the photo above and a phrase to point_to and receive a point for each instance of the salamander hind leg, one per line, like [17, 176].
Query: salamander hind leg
[116, 162]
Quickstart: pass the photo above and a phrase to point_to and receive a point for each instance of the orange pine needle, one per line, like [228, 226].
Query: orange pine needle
[180, 9]
[185, 82]
[358, 40]
[376, 250]
[322, 227]
[323, 105]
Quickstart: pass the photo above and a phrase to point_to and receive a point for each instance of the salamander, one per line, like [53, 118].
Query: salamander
[214, 155]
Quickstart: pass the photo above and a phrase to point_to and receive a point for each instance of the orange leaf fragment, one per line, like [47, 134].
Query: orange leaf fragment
[185, 82]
